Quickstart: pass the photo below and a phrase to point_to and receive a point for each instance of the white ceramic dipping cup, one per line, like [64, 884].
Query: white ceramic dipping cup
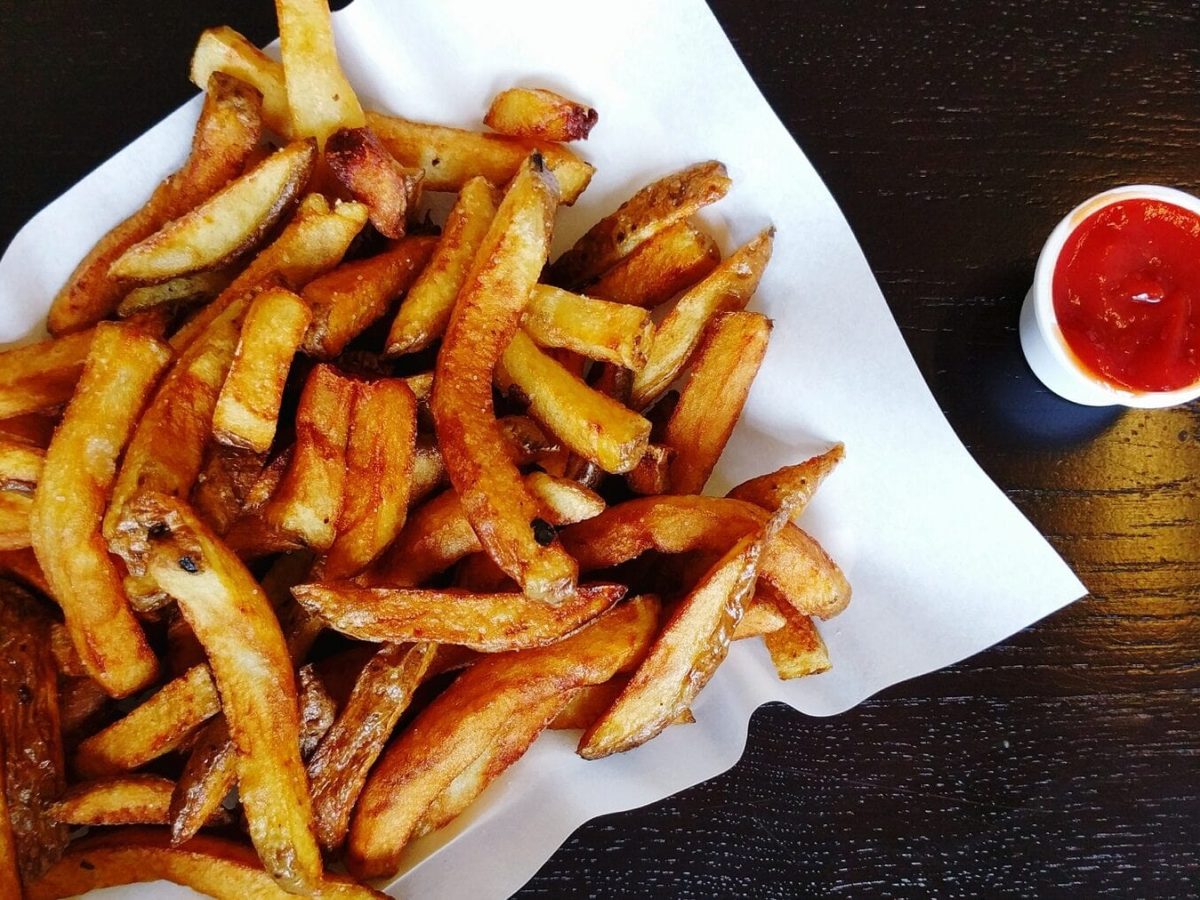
[1042, 340]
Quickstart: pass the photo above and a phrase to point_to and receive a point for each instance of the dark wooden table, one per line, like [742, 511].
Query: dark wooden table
[1064, 760]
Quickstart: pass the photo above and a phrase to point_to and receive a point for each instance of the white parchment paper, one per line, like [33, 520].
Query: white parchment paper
[941, 563]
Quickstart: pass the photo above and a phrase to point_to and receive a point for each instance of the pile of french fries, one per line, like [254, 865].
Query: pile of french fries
[345, 509]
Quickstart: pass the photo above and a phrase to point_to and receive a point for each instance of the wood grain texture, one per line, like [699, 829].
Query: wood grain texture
[1065, 760]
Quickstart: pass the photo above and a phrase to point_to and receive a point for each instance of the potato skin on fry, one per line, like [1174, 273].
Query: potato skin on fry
[538, 114]
[372, 176]
[118, 800]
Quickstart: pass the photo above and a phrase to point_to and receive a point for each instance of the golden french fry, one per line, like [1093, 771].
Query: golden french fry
[320, 98]
[247, 409]
[32, 773]
[119, 800]
[121, 370]
[159, 725]
[14, 520]
[176, 293]
[41, 375]
[797, 649]
[489, 623]
[226, 225]
[425, 312]
[228, 130]
[539, 114]
[671, 261]
[348, 300]
[372, 176]
[711, 402]
[222, 49]
[235, 624]
[592, 425]
[651, 210]
[467, 718]
[216, 867]
[310, 497]
[799, 482]
[20, 466]
[761, 616]
[587, 704]
[451, 157]
[596, 329]
[728, 288]
[486, 316]
[379, 462]
[338, 769]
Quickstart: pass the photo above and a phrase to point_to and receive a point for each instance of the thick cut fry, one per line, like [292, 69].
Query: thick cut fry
[226, 225]
[711, 403]
[671, 261]
[793, 564]
[310, 497]
[586, 705]
[594, 426]
[650, 211]
[123, 367]
[211, 866]
[159, 725]
[539, 114]
[379, 461]
[372, 176]
[32, 773]
[228, 131]
[167, 448]
[339, 767]
[247, 409]
[467, 718]
[348, 300]
[797, 649]
[439, 533]
[222, 49]
[727, 289]
[235, 624]
[118, 800]
[425, 312]
[176, 293]
[208, 776]
[761, 616]
[489, 623]
[596, 329]
[652, 475]
[314, 241]
[451, 157]
[20, 466]
[486, 316]
[320, 98]
[14, 520]
[42, 375]
[799, 482]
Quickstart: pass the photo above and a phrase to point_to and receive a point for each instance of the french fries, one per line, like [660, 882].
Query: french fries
[597, 329]
[485, 319]
[41, 375]
[539, 114]
[119, 800]
[372, 176]
[223, 50]
[320, 99]
[228, 130]
[671, 261]
[176, 293]
[120, 372]
[797, 649]
[208, 776]
[798, 482]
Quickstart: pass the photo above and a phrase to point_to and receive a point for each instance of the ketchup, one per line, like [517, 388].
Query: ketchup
[1127, 295]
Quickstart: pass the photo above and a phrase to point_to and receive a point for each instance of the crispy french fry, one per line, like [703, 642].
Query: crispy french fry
[216, 867]
[20, 466]
[41, 375]
[119, 800]
[711, 403]
[339, 767]
[451, 156]
[32, 773]
[728, 288]
[121, 371]
[800, 482]
[228, 130]
[650, 211]
[176, 293]
[592, 425]
[317, 710]
[310, 497]
[379, 461]
[372, 176]
[425, 312]
[586, 705]
[225, 226]
[652, 474]
[597, 329]
[348, 300]
[797, 649]
[671, 261]
[235, 624]
[247, 409]
[489, 623]
[208, 776]
[320, 98]
[486, 316]
[159, 725]
[539, 114]
[466, 719]
[761, 616]
[14, 520]
[222, 49]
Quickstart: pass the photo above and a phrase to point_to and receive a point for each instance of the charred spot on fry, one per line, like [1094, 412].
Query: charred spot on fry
[543, 532]
[188, 565]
